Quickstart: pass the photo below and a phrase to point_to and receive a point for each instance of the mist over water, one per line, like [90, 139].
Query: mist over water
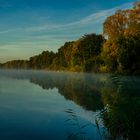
[38, 104]
[33, 105]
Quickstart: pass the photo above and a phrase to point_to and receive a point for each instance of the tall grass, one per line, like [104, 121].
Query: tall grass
[74, 121]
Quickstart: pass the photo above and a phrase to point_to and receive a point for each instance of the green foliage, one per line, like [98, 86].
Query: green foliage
[16, 64]
[128, 54]
[89, 47]
[1, 65]
[122, 106]
[75, 56]
[41, 61]
[93, 64]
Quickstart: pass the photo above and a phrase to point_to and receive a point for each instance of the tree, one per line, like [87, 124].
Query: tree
[121, 51]
[90, 46]
[115, 25]
[128, 54]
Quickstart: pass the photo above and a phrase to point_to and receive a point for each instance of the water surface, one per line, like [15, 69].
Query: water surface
[39, 105]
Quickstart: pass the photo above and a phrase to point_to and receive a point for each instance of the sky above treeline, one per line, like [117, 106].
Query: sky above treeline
[28, 27]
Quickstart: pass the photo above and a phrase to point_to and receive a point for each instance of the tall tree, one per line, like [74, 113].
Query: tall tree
[121, 51]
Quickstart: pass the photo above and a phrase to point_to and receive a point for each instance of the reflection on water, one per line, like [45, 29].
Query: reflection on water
[121, 115]
[83, 89]
[37, 105]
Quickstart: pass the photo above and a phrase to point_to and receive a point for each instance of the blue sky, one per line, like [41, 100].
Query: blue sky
[27, 27]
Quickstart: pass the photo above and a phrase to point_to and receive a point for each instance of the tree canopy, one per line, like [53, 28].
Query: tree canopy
[121, 51]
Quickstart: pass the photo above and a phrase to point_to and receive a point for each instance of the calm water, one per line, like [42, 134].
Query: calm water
[52, 105]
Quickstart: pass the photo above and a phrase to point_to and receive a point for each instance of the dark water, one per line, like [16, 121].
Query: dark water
[39, 105]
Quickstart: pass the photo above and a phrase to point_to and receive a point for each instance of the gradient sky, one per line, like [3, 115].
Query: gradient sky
[27, 27]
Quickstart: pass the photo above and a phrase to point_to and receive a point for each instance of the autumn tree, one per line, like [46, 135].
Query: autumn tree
[123, 32]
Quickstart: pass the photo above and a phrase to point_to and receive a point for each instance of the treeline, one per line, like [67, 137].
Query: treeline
[80, 55]
[117, 50]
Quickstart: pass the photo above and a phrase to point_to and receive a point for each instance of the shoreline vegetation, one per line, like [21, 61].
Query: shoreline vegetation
[116, 50]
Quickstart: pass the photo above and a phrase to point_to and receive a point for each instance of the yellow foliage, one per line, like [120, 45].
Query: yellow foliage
[103, 69]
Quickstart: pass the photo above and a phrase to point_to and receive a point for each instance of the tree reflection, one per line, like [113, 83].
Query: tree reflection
[121, 116]
[118, 97]
[83, 89]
